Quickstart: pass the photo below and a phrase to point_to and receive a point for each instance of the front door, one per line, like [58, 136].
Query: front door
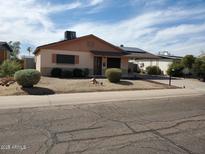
[97, 65]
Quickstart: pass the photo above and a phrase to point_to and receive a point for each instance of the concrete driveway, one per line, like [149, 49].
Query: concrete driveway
[173, 125]
[181, 82]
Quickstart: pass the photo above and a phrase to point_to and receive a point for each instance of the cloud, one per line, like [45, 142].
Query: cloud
[29, 21]
[151, 32]
[59, 8]
[96, 2]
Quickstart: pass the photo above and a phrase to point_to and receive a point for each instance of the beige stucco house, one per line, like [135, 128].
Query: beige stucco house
[144, 59]
[83, 52]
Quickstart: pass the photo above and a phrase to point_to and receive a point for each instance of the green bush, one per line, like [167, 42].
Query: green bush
[153, 70]
[86, 72]
[176, 69]
[199, 68]
[56, 72]
[9, 67]
[67, 74]
[113, 74]
[77, 72]
[27, 77]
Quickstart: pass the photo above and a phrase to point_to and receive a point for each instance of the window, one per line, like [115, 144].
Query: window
[65, 59]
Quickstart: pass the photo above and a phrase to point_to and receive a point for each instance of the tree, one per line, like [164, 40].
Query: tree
[29, 49]
[9, 67]
[188, 61]
[15, 46]
[199, 68]
[176, 69]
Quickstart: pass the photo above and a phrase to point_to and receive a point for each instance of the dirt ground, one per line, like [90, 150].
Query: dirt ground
[49, 85]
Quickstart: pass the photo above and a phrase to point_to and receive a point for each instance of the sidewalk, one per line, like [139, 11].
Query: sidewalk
[91, 97]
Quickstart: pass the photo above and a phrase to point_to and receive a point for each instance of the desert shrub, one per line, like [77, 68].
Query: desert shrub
[78, 72]
[153, 70]
[176, 69]
[86, 72]
[67, 74]
[27, 77]
[9, 67]
[113, 74]
[56, 72]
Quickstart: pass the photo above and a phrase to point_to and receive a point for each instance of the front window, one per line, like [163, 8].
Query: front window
[65, 59]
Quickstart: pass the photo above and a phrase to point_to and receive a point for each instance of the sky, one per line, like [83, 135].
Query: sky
[177, 26]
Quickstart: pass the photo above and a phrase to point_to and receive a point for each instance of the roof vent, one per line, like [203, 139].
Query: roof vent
[70, 35]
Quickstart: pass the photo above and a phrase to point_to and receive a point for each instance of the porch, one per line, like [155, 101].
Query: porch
[105, 59]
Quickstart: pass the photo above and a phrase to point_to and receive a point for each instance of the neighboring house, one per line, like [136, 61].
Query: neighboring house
[140, 57]
[84, 52]
[144, 59]
[5, 51]
[166, 60]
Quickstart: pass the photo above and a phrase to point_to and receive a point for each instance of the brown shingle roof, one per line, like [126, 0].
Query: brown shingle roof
[70, 41]
[5, 46]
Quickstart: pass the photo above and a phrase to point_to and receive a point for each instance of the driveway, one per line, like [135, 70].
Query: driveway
[188, 83]
[166, 125]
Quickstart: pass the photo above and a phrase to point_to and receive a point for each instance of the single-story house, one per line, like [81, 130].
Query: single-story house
[87, 51]
[144, 59]
[140, 57]
[5, 51]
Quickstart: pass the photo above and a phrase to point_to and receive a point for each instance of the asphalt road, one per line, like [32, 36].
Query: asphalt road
[168, 125]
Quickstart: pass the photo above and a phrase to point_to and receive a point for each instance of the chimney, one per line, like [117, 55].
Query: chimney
[69, 35]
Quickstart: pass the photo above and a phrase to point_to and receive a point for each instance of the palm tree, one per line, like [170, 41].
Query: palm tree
[29, 49]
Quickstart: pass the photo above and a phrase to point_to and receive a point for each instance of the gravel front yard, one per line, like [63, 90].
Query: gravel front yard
[54, 85]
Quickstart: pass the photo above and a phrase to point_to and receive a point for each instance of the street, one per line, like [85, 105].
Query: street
[160, 125]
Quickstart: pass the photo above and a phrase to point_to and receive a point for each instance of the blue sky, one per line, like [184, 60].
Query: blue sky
[177, 26]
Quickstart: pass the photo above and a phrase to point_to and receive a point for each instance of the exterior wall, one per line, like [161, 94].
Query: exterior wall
[4, 55]
[46, 64]
[124, 65]
[1, 56]
[38, 62]
[163, 64]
